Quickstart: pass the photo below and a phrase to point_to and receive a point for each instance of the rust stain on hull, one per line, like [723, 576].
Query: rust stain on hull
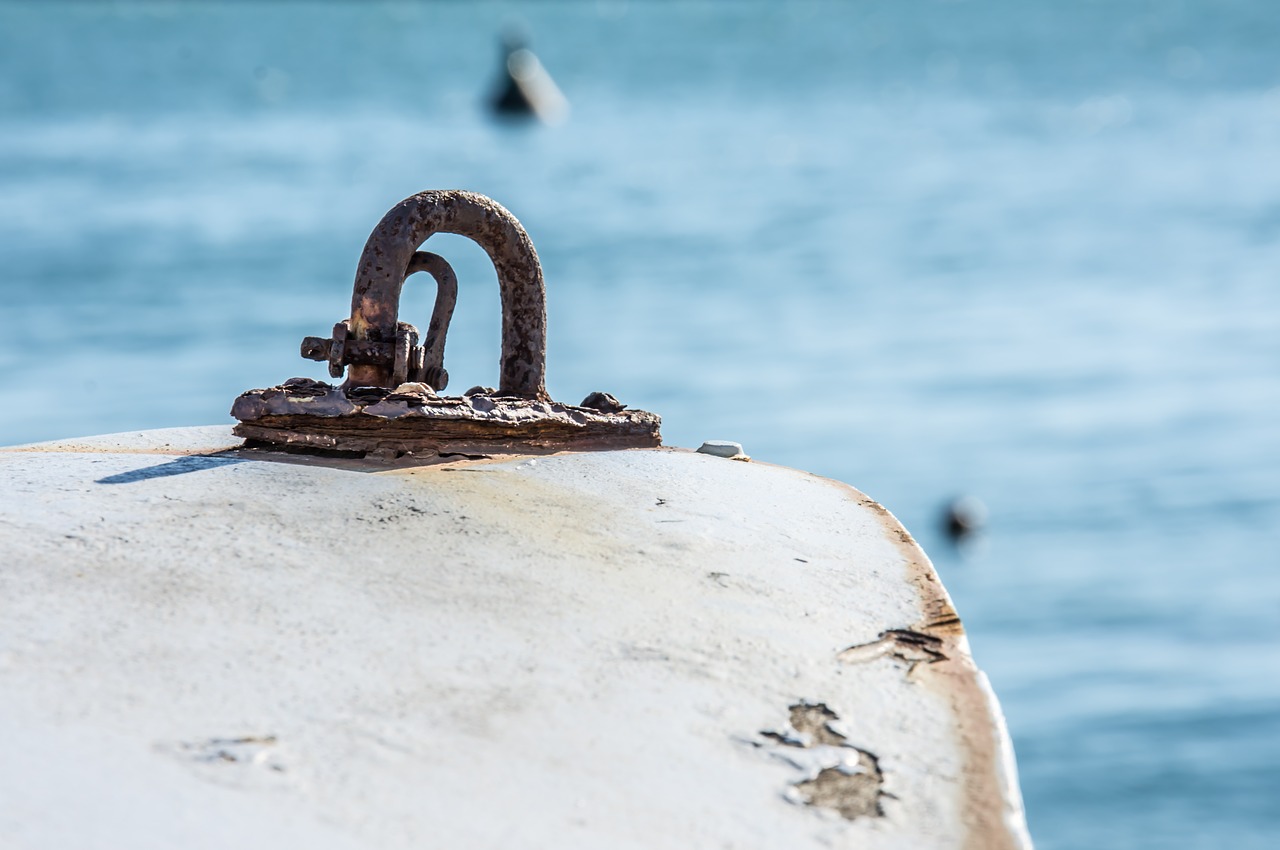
[955, 677]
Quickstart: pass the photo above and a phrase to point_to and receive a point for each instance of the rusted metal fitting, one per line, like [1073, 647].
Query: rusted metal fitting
[389, 403]
[406, 360]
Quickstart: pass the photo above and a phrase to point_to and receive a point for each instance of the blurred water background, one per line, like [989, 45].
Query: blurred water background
[1021, 249]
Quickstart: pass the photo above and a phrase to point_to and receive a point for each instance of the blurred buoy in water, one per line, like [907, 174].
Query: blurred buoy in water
[963, 517]
[525, 89]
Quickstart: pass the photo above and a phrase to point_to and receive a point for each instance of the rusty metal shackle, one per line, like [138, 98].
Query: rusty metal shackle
[407, 360]
[389, 252]
[431, 370]
[389, 406]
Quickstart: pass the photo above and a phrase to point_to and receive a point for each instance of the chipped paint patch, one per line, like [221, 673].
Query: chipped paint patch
[242, 761]
[837, 775]
[904, 645]
[250, 750]
[851, 793]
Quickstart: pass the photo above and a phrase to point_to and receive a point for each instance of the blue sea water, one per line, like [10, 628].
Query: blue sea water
[1020, 249]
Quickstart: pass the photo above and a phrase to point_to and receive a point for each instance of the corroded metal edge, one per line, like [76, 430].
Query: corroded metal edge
[409, 435]
[310, 414]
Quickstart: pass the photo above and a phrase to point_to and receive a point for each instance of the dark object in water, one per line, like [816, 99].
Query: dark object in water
[963, 518]
[525, 89]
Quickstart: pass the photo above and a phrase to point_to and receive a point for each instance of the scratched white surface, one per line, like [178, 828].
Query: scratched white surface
[573, 651]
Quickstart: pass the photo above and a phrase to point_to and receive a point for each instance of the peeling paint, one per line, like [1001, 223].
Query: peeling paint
[902, 644]
[838, 775]
[814, 720]
[851, 794]
[253, 749]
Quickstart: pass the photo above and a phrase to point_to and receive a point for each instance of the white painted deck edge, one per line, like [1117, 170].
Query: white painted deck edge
[572, 651]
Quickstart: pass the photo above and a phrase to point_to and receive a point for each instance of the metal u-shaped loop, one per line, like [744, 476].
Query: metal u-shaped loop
[380, 410]
[431, 371]
[375, 300]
